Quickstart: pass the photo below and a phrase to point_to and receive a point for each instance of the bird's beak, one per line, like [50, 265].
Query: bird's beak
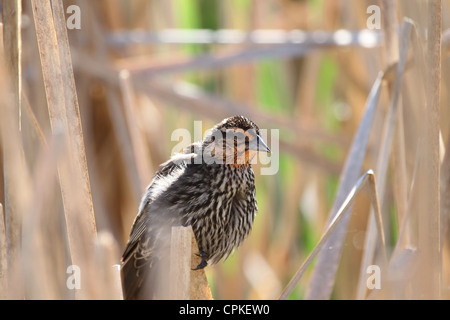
[258, 144]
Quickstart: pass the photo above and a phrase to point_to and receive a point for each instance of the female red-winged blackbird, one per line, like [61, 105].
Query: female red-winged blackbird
[210, 186]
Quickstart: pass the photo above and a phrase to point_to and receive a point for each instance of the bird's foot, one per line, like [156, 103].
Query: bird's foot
[204, 262]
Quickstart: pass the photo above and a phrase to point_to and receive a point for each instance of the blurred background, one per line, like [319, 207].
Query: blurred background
[144, 68]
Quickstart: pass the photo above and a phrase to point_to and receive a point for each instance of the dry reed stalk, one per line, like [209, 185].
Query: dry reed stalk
[199, 288]
[445, 212]
[339, 219]
[12, 46]
[72, 110]
[389, 27]
[429, 219]
[392, 47]
[180, 262]
[385, 152]
[64, 118]
[13, 158]
[322, 279]
[186, 283]
[3, 256]
[75, 131]
[2, 51]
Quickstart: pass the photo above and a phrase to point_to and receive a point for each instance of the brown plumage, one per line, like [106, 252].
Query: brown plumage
[209, 186]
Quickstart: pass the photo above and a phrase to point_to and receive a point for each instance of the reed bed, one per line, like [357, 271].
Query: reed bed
[91, 93]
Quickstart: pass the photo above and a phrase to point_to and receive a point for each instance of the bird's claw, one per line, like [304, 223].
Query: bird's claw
[202, 263]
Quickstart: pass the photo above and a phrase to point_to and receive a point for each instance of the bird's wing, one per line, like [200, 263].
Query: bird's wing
[167, 172]
[148, 227]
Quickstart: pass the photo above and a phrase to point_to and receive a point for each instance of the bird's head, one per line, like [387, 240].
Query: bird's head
[235, 141]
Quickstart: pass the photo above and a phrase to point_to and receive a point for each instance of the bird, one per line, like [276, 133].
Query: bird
[210, 186]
